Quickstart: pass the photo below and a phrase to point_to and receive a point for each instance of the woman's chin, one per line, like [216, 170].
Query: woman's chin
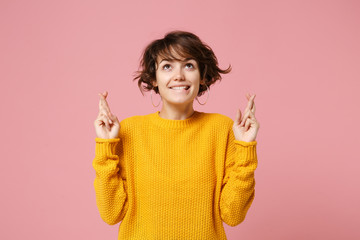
[181, 101]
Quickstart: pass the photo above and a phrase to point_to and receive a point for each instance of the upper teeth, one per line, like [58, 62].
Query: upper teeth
[183, 87]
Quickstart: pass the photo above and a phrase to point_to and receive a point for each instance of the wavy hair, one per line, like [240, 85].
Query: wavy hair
[186, 45]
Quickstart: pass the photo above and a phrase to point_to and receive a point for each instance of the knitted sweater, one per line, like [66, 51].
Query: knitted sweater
[174, 179]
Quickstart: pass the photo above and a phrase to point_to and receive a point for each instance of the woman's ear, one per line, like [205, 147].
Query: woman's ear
[202, 81]
[154, 83]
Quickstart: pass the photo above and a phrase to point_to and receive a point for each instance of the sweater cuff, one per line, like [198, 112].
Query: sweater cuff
[105, 147]
[247, 152]
[245, 144]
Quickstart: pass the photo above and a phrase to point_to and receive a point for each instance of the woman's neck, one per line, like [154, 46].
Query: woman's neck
[176, 112]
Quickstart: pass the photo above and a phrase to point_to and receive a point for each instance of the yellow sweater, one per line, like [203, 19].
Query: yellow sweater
[174, 179]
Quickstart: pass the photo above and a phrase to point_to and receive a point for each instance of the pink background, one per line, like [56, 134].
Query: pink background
[301, 58]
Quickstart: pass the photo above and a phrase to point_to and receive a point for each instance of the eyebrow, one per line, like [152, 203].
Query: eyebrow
[171, 59]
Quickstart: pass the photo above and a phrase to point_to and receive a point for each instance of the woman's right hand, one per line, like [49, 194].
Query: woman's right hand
[106, 124]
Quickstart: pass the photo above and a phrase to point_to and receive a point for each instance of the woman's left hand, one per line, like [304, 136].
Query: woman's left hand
[246, 127]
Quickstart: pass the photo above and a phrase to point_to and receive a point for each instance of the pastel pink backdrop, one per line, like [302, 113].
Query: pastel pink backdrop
[301, 58]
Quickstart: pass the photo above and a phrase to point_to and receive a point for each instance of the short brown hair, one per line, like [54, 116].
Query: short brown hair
[186, 45]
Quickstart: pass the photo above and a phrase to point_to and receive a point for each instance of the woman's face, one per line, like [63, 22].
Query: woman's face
[178, 80]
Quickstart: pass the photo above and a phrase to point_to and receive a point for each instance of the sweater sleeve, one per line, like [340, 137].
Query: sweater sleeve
[238, 186]
[110, 180]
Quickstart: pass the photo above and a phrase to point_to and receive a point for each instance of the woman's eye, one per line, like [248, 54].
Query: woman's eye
[166, 66]
[189, 65]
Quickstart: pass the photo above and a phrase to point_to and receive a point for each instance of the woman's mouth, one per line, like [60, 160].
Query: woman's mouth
[181, 88]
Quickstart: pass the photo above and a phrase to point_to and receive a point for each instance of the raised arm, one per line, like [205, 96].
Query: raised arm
[238, 188]
[110, 180]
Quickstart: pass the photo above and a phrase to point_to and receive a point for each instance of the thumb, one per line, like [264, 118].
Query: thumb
[238, 117]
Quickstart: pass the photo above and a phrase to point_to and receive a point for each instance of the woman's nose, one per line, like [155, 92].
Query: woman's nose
[178, 74]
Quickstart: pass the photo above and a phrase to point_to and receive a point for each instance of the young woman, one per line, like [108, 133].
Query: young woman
[176, 173]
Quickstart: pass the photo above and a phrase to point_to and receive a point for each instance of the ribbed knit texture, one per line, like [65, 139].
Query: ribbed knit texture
[174, 179]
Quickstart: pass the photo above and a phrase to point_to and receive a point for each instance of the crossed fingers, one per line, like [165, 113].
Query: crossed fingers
[103, 105]
[104, 109]
[249, 111]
